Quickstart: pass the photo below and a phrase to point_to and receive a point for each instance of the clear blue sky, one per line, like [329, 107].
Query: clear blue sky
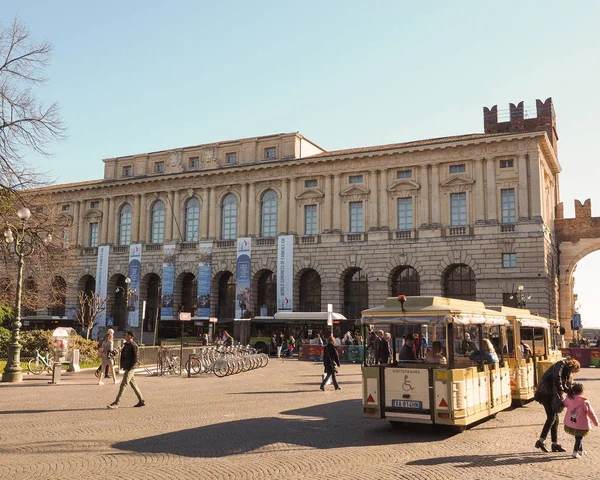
[140, 76]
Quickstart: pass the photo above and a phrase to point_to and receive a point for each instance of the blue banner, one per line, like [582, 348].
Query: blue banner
[134, 273]
[204, 278]
[242, 277]
[168, 282]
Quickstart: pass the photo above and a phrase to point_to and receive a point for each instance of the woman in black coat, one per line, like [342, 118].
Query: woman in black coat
[331, 361]
[555, 381]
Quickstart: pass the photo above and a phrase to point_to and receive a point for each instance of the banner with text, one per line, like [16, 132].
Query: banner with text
[102, 281]
[285, 272]
[204, 278]
[168, 282]
[242, 276]
[133, 294]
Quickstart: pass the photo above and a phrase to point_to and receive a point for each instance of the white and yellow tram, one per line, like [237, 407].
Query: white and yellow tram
[456, 393]
[531, 350]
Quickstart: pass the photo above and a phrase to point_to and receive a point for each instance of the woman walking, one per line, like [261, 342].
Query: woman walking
[331, 361]
[105, 352]
[554, 383]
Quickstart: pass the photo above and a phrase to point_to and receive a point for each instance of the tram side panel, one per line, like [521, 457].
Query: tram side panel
[372, 392]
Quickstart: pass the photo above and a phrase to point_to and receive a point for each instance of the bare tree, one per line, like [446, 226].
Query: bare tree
[91, 305]
[25, 123]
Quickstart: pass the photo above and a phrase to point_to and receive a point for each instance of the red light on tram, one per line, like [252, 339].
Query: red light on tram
[402, 299]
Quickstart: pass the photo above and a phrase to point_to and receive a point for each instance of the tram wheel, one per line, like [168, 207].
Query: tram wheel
[458, 428]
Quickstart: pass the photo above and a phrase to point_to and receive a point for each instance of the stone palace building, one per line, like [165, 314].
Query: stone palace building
[469, 216]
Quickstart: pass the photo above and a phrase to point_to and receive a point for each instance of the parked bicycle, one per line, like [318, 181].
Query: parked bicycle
[168, 361]
[223, 361]
[39, 363]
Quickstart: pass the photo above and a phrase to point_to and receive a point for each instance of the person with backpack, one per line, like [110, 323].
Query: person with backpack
[129, 358]
[579, 418]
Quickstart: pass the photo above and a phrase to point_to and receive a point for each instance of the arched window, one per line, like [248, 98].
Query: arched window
[125, 225]
[310, 291]
[157, 223]
[58, 297]
[229, 217]
[268, 214]
[356, 293]
[266, 293]
[406, 282]
[459, 282]
[192, 220]
[226, 296]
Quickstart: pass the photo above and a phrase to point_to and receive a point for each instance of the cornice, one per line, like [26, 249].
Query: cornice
[218, 175]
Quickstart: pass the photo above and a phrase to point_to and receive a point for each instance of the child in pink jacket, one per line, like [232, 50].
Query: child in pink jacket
[579, 418]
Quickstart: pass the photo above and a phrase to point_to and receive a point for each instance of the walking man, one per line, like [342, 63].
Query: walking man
[129, 357]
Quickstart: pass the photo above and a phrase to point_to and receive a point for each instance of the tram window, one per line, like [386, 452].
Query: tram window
[465, 340]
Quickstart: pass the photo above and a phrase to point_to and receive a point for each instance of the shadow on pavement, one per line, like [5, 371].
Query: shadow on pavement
[271, 393]
[16, 412]
[245, 436]
[477, 461]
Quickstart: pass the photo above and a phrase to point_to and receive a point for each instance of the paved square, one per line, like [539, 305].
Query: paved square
[268, 423]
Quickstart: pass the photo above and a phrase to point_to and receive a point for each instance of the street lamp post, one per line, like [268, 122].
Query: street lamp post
[521, 297]
[23, 243]
[126, 293]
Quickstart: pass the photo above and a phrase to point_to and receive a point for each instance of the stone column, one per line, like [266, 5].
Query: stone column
[479, 193]
[292, 220]
[326, 206]
[213, 213]
[424, 196]
[337, 203]
[492, 201]
[105, 216]
[244, 211]
[135, 221]
[435, 195]
[252, 210]
[536, 176]
[169, 217]
[384, 220]
[177, 235]
[372, 222]
[143, 230]
[284, 214]
[113, 222]
[204, 213]
[523, 188]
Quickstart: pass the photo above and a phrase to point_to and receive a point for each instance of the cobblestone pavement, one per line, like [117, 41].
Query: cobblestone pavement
[268, 423]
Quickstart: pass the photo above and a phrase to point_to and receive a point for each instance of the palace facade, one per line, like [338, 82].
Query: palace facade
[468, 216]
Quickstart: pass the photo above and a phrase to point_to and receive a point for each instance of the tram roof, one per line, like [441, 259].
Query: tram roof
[307, 316]
[523, 316]
[433, 310]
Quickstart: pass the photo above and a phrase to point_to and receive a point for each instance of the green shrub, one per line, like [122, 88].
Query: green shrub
[4, 339]
[88, 350]
[41, 340]
[32, 340]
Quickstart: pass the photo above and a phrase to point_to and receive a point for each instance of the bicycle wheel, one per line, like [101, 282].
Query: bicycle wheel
[176, 365]
[265, 360]
[35, 366]
[220, 368]
[194, 366]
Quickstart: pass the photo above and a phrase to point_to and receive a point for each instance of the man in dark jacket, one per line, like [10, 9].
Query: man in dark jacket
[407, 352]
[129, 357]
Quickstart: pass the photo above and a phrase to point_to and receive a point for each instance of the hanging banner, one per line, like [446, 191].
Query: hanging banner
[285, 272]
[204, 278]
[102, 282]
[242, 276]
[168, 282]
[133, 294]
